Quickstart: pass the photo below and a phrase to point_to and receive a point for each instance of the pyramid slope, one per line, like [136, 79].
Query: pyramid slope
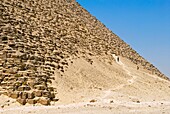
[41, 37]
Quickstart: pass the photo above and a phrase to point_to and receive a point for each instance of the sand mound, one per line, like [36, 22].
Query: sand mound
[53, 52]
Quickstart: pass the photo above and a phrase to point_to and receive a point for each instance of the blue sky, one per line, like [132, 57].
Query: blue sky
[143, 24]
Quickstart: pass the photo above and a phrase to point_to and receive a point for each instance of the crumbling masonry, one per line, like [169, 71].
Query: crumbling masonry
[38, 37]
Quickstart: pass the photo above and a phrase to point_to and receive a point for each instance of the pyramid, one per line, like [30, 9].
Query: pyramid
[41, 37]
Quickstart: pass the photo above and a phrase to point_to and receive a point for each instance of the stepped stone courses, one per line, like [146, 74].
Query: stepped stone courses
[38, 37]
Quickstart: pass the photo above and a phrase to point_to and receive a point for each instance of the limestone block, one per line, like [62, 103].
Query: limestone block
[31, 101]
[38, 93]
[14, 95]
[46, 94]
[31, 95]
[27, 88]
[21, 88]
[3, 84]
[31, 84]
[24, 95]
[44, 101]
[11, 43]
[21, 101]
[40, 87]
[52, 95]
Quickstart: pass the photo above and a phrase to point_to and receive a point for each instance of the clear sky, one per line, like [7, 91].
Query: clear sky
[143, 24]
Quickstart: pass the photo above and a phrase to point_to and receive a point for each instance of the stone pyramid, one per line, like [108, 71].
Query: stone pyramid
[39, 37]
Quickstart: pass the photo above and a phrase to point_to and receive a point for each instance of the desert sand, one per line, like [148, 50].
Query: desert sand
[102, 87]
[55, 52]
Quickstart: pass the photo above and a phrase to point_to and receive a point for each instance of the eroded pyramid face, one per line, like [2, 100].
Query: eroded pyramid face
[41, 37]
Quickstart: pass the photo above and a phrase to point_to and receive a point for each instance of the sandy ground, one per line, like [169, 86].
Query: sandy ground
[106, 86]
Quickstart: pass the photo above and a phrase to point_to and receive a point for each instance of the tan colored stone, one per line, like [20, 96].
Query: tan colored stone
[14, 95]
[21, 88]
[31, 95]
[40, 87]
[27, 88]
[31, 101]
[38, 93]
[36, 58]
[46, 94]
[44, 101]
[21, 101]
[24, 95]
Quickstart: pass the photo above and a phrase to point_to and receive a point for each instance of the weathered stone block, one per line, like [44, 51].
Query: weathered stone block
[31, 84]
[50, 89]
[31, 95]
[24, 95]
[44, 101]
[31, 101]
[21, 88]
[38, 93]
[27, 88]
[52, 95]
[46, 94]
[40, 87]
[22, 101]
[14, 95]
